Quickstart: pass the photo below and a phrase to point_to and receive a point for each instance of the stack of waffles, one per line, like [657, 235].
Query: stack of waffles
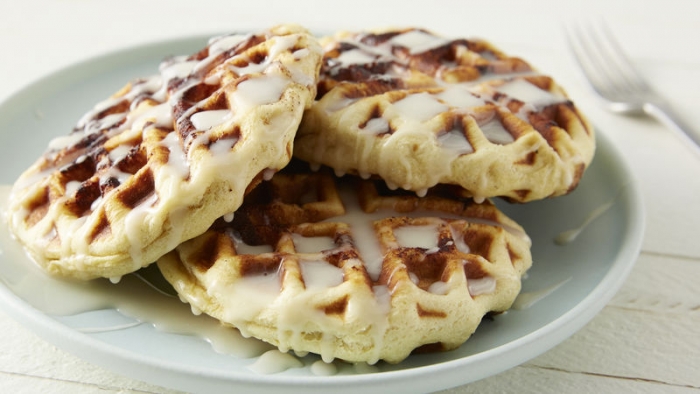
[379, 239]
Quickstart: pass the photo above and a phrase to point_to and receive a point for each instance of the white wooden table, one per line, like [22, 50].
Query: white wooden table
[647, 339]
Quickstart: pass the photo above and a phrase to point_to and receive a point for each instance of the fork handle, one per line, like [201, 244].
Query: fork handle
[666, 115]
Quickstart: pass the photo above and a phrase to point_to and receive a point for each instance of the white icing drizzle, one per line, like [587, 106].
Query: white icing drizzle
[72, 187]
[376, 126]
[268, 173]
[322, 368]
[526, 300]
[159, 115]
[459, 96]
[252, 294]
[439, 288]
[99, 107]
[64, 141]
[383, 297]
[568, 236]
[221, 44]
[419, 107]
[496, 133]
[205, 120]
[178, 166]
[522, 90]
[425, 237]
[222, 146]
[355, 56]
[304, 244]
[485, 285]
[259, 91]
[320, 274]
[133, 225]
[363, 234]
[119, 153]
[339, 104]
[281, 44]
[275, 361]
[417, 41]
[366, 240]
[458, 238]
[177, 70]
[109, 121]
[93, 330]
[455, 142]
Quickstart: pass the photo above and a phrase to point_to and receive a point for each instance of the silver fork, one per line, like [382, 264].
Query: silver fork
[614, 78]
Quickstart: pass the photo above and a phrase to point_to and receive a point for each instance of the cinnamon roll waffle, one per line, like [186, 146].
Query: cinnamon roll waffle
[159, 161]
[418, 110]
[348, 269]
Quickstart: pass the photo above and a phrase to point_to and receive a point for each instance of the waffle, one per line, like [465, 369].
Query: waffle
[418, 110]
[158, 162]
[348, 269]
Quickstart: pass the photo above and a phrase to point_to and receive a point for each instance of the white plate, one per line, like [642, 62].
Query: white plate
[591, 269]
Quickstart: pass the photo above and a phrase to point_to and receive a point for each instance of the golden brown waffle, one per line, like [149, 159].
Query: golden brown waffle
[420, 110]
[348, 269]
[164, 157]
